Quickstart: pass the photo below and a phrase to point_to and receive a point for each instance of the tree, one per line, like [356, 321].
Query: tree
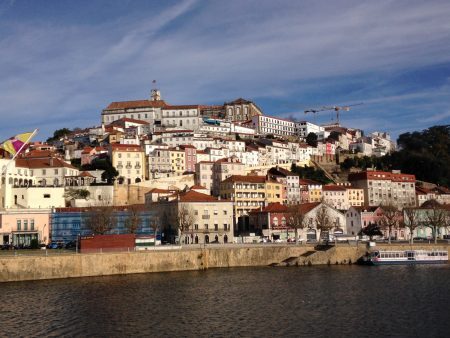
[296, 219]
[57, 134]
[389, 220]
[410, 221]
[134, 219]
[101, 219]
[372, 229]
[311, 139]
[323, 221]
[436, 218]
[157, 214]
[185, 218]
[109, 174]
[72, 193]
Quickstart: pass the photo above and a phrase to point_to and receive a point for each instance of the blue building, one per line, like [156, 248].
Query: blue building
[66, 224]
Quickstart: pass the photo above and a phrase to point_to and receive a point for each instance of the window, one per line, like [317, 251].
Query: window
[44, 172]
[46, 195]
[224, 212]
[216, 227]
[56, 171]
[25, 224]
[32, 224]
[216, 212]
[19, 225]
[206, 226]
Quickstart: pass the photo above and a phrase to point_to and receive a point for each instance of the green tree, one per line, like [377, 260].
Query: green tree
[311, 139]
[57, 134]
[372, 229]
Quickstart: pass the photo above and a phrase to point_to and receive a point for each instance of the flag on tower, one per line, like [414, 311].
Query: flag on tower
[18, 143]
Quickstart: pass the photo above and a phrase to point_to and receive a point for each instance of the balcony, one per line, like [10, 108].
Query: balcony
[128, 166]
[205, 217]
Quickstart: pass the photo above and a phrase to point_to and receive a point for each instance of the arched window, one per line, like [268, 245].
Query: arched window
[275, 221]
[196, 239]
[137, 180]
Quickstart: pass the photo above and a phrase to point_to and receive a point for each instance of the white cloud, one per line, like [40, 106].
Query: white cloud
[216, 51]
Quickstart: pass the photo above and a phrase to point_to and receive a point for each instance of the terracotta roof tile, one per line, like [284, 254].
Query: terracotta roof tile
[194, 196]
[136, 104]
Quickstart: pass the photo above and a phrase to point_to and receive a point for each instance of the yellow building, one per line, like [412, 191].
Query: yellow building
[315, 193]
[129, 160]
[355, 197]
[250, 192]
[177, 161]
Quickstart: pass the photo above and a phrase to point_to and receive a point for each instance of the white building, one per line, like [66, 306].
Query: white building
[303, 128]
[266, 125]
[181, 117]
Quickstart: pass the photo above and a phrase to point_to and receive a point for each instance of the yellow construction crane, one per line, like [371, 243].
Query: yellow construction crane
[337, 109]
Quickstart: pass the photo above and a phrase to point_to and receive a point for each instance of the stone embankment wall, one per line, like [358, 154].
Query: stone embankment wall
[20, 268]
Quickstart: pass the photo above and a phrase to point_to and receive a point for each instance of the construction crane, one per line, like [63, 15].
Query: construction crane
[337, 109]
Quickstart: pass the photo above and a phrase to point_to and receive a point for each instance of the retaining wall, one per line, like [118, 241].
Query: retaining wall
[20, 268]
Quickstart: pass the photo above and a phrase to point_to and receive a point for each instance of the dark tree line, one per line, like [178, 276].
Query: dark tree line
[425, 154]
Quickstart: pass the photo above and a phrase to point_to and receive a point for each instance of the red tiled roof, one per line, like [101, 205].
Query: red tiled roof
[198, 187]
[333, 188]
[37, 163]
[85, 174]
[307, 207]
[378, 175]
[194, 106]
[136, 104]
[249, 179]
[275, 207]
[194, 196]
[126, 147]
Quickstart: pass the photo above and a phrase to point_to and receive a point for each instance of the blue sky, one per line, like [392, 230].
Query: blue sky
[62, 62]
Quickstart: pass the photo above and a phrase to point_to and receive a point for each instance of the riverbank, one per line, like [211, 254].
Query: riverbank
[21, 268]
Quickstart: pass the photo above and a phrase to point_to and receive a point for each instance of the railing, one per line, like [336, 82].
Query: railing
[206, 216]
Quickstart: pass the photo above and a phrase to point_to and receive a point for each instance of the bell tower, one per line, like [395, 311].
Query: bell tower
[155, 94]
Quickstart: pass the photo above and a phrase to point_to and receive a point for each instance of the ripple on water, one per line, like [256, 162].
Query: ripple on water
[252, 302]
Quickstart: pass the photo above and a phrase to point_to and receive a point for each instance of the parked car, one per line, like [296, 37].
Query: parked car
[55, 245]
[70, 245]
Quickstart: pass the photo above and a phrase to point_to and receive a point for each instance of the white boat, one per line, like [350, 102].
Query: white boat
[384, 257]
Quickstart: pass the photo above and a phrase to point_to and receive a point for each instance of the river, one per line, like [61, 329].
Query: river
[317, 301]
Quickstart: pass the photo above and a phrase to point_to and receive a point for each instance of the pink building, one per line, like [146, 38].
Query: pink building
[190, 154]
[20, 227]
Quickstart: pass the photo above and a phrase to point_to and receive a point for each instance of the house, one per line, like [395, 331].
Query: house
[129, 160]
[20, 226]
[290, 181]
[382, 187]
[206, 219]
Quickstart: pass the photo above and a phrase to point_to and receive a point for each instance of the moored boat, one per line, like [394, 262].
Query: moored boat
[385, 257]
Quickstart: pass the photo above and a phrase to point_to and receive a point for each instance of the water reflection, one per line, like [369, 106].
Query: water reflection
[250, 302]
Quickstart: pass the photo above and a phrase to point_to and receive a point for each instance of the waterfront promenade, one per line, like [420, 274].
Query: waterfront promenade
[51, 265]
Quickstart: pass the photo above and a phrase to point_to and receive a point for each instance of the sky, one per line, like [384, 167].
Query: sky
[62, 62]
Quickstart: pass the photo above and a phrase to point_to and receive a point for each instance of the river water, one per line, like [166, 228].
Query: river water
[318, 301]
